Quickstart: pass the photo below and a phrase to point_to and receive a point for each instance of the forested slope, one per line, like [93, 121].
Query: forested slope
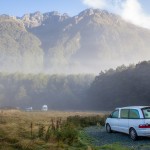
[121, 87]
[19, 50]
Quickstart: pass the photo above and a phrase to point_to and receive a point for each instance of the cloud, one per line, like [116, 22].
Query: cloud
[129, 10]
[95, 3]
[133, 12]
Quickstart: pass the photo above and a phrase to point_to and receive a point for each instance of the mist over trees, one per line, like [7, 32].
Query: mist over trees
[37, 44]
[124, 86]
[59, 92]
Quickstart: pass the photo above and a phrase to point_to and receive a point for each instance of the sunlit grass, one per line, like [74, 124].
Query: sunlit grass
[40, 130]
[49, 130]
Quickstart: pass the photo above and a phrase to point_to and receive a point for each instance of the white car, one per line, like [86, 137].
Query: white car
[133, 120]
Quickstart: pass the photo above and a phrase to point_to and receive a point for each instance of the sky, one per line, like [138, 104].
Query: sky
[134, 11]
[20, 7]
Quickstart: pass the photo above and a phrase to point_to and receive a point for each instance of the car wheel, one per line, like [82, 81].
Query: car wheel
[108, 128]
[133, 134]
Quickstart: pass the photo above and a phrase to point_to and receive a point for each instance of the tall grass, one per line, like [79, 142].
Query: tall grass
[41, 130]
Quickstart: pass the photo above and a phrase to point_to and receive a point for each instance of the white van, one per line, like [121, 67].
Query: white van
[44, 108]
[133, 120]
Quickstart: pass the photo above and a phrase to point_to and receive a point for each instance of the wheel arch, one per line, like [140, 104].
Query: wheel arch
[130, 129]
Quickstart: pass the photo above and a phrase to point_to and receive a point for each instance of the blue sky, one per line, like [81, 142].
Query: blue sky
[146, 5]
[20, 7]
[134, 11]
[72, 7]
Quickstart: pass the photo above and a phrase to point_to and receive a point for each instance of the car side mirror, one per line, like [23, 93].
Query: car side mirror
[110, 116]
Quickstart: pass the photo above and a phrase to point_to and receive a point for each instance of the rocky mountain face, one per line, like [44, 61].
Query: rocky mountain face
[93, 40]
[38, 19]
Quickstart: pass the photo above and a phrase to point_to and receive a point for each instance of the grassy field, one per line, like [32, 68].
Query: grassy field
[51, 130]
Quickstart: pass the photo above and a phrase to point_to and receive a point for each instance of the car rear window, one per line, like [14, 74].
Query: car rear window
[134, 114]
[146, 112]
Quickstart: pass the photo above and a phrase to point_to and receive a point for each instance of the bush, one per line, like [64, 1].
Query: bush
[102, 120]
[69, 133]
[41, 131]
[82, 122]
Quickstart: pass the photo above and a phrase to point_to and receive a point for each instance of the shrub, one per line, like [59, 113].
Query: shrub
[102, 120]
[41, 131]
[68, 133]
[48, 134]
[80, 121]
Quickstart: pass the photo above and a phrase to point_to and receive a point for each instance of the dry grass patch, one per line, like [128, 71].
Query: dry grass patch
[41, 130]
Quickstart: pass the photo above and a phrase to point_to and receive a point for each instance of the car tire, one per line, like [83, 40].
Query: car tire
[108, 128]
[133, 134]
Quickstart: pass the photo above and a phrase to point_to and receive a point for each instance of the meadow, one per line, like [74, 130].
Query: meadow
[52, 130]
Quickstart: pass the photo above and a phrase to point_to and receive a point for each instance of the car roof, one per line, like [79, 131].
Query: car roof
[132, 107]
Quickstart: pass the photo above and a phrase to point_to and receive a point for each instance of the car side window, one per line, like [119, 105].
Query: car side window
[115, 114]
[124, 113]
[134, 114]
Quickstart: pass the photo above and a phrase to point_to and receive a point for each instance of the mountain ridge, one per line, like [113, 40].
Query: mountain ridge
[91, 41]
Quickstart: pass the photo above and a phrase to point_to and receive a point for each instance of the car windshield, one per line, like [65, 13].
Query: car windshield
[146, 112]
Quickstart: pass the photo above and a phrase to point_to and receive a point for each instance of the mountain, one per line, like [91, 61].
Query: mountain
[20, 50]
[91, 41]
[38, 19]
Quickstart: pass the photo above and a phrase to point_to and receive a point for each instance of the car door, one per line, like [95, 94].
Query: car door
[114, 120]
[123, 123]
[134, 119]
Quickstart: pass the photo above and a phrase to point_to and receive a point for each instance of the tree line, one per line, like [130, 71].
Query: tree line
[123, 86]
[56, 91]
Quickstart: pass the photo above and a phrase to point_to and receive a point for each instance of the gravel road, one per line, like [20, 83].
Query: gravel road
[101, 137]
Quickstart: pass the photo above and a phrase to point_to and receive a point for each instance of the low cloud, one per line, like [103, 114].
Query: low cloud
[129, 10]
